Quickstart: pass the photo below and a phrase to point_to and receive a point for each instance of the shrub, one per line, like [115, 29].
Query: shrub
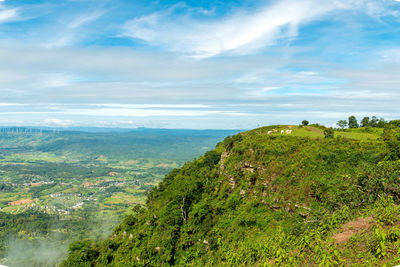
[329, 133]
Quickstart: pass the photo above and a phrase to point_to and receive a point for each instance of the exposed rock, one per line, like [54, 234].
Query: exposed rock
[224, 155]
[248, 167]
[303, 207]
[232, 181]
[303, 214]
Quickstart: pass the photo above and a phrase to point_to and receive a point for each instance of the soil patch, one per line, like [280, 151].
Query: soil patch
[20, 202]
[351, 228]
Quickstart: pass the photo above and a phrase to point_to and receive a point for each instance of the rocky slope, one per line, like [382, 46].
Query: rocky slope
[262, 199]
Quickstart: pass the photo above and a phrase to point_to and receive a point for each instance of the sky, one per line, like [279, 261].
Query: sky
[197, 64]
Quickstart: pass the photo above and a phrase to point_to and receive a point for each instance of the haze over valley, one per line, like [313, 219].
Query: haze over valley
[199, 133]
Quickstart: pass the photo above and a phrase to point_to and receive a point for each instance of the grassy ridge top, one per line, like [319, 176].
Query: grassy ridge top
[265, 198]
[314, 132]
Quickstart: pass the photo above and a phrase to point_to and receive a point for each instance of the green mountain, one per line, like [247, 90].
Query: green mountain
[57, 187]
[263, 198]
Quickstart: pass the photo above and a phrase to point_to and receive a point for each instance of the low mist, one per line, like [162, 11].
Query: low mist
[43, 253]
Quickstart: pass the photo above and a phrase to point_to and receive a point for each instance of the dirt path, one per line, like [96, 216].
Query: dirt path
[351, 228]
[312, 129]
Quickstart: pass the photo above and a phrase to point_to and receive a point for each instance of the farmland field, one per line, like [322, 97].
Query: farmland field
[56, 187]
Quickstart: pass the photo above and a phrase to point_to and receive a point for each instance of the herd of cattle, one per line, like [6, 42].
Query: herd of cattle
[282, 131]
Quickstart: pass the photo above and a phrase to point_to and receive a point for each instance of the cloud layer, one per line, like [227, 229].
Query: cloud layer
[237, 33]
[241, 32]
[185, 66]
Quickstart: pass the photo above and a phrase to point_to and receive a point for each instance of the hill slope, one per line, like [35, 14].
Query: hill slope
[264, 199]
[57, 187]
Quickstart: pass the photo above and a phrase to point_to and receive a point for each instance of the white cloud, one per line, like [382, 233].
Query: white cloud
[54, 80]
[242, 32]
[390, 55]
[138, 106]
[65, 39]
[58, 122]
[75, 86]
[85, 19]
[9, 104]
[262, 91]
[239, 33]
[144, 112]
[7, 15]
[71, 32]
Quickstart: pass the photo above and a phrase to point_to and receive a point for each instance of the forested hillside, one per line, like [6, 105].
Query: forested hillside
[264, 198]
[60, 186]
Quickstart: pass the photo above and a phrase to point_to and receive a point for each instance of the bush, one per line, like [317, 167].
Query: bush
[329, 133]
[304, 122]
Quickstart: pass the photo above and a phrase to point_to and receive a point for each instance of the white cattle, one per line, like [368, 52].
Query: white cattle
[282, 131]
[288, 131]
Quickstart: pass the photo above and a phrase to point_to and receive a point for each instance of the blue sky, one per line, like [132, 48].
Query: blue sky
[197, 64]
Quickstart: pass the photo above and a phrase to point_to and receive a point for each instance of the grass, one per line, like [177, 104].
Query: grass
[32, 157]
[313, 132]
[120, 198]
[307, 131]
[358, 135]
[290, 194]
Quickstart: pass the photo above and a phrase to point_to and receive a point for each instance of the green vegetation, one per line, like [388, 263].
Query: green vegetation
[263, 198]
[366, 122]
[329, 133]
[58, 187]
[353, 122]
[342, 124]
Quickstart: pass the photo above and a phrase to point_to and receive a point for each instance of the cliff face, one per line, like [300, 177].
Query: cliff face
[261, 199]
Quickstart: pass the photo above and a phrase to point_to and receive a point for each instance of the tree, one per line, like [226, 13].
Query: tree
[342, 124]
[365, 122]
[395, 123]
[329, 133]
[353, 122]
[391, 136]
[373, 122]
[381, 123]
[304, 122]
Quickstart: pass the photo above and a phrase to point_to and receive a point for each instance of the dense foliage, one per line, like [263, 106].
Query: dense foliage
[266, 199]
[366, 122]
[58, 187]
